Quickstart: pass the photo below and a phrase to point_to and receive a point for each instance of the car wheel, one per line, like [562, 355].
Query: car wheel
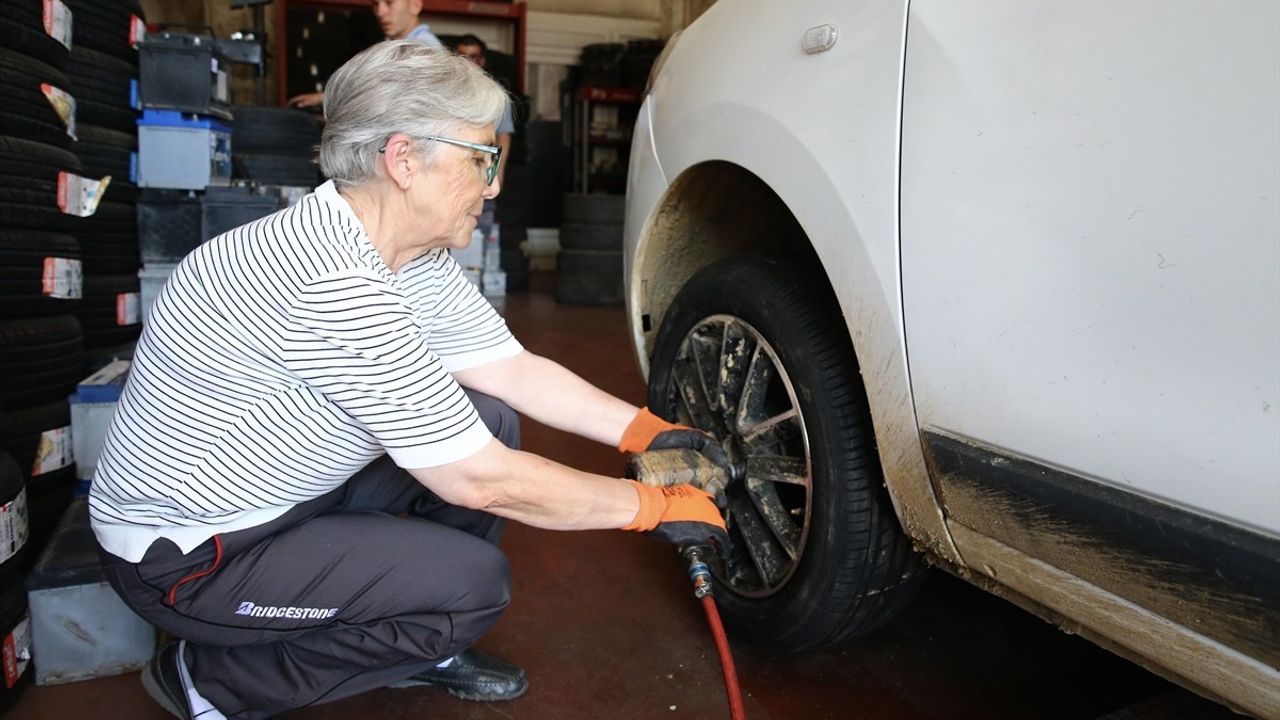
[752, 353]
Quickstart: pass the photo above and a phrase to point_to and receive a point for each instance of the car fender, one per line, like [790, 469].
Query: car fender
[846, 212]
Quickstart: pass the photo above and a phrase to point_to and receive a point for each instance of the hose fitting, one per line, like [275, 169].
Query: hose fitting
[699, 573]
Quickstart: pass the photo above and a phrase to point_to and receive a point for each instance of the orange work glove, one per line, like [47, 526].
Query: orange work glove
[678, 514]
[644, 427]
[650, 432]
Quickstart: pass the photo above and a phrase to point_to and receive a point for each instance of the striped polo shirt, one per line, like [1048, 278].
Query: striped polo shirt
[279, 359]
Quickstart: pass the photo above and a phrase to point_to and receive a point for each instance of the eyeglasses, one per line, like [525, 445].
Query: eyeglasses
[490, 172]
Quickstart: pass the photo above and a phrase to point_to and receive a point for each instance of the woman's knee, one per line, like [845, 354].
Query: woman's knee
[489, 578]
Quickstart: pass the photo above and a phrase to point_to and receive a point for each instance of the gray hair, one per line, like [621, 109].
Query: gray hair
[400, 86]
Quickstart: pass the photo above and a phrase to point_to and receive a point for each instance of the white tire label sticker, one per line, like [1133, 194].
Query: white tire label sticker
[63, 104]
[57, 21]
[78, 195]
[53, 452]
[62, 278]
[128, 309]
[137, 31]
[17, 652]
[13, 526]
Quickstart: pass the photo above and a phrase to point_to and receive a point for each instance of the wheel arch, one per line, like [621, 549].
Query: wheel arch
[715, 209]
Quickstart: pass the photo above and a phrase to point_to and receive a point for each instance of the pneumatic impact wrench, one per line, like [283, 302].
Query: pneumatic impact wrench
[676, 466]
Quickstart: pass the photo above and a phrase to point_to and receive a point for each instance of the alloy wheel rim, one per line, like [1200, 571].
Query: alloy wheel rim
[728, 380]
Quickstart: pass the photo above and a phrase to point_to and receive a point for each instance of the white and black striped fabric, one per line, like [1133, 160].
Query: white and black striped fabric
[280, 358]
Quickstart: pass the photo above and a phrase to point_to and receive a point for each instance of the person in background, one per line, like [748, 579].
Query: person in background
[398, 19]
[473, 48]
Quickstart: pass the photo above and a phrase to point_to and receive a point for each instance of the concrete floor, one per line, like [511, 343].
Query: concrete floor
[606, 626]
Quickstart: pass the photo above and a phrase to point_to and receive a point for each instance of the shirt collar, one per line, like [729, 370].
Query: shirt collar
[328, 194]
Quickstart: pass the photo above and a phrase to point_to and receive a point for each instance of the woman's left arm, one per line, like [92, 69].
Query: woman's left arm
[549, 393]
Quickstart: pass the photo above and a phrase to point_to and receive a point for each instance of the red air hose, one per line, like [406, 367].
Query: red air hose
[731, 688]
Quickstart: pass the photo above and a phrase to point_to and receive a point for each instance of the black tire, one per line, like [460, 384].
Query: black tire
[48, 496]
[109, 253]
[274, 131]
[583, 236]
[120, 218]
[109, 237]
[25, 112]
[274, 169]
[513, 237]
[513, 261]
[21, 431]
[846, 567]
[29, 184]
[15, 638]
[596, 209]
[104, 151]
[102, 84]
[49, 490]
[589, 277]
[101, 312]
[40, 360]
[18, 31]
[24, 257]
[14, 529]
[103, 25]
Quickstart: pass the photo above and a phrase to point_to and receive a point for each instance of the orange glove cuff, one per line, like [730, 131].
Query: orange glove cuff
[644, 427]
[673, 503]
[652, 504]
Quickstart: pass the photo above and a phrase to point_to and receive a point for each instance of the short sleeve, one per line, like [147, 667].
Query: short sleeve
[467, 331]
[353, 339]
[507, 125]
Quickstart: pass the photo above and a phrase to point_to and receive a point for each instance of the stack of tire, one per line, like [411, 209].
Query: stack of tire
[513, 219]
[15, 627]
[40, 339]
[602, 64]
[103, 68]
[638, 60]
[274, 146]
[589, 264]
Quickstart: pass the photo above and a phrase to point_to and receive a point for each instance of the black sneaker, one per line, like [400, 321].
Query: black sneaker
[162, 679]
[473, 676]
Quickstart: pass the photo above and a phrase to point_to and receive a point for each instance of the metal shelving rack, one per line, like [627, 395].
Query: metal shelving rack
[514, 12]
[584, 142]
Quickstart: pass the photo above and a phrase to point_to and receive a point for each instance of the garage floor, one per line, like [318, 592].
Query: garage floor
[606, 626]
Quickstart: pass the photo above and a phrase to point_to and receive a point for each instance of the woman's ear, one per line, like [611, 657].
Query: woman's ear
[398, 160]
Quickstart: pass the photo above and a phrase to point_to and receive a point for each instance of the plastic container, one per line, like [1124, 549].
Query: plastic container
[493, 283]
[471, 257]
[93, 404]
[152, 278]
[182, 151]
[80, 628]
[172, 223]
[184, 72]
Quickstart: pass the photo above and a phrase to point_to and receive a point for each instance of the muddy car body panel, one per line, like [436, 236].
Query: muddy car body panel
[1052, 232]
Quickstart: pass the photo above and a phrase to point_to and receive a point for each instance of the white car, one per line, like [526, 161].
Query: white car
[992, 286]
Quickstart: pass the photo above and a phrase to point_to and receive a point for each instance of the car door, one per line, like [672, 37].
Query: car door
[1090, 254]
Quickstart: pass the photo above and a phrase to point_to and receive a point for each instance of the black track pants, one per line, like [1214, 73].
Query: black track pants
[335, 597]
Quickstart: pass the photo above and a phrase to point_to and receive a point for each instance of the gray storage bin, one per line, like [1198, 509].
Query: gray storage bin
[80, 628]
[172, 223]
[186, 72]
[183, 152]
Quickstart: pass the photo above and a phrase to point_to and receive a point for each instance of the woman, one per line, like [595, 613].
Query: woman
[308, 379]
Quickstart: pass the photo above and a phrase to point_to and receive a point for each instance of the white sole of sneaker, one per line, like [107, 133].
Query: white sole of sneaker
[157, 693]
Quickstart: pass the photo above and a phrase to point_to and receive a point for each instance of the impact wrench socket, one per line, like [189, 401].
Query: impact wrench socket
[678, 466]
